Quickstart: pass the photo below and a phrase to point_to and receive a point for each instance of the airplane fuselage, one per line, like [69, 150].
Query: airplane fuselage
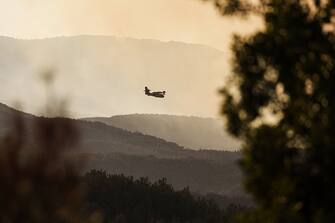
[157, 94]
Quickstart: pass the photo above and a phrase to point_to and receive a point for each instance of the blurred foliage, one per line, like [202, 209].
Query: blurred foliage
[39, 181]
[281, 102]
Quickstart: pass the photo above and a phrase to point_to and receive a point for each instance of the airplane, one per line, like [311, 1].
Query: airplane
[157, 94]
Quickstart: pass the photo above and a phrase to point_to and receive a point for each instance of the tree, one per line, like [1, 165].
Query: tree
[39, 181]
[282, 105]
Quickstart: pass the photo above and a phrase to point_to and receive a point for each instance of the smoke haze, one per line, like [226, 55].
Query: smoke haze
[104, 76]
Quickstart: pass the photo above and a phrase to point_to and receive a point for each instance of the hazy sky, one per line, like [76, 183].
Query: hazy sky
[189, 21]
[181, 20]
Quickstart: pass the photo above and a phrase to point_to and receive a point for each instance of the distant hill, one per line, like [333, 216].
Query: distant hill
[120, 151]
[106, 75]
[190, 132]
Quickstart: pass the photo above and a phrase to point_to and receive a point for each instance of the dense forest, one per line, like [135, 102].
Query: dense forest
[122, 199]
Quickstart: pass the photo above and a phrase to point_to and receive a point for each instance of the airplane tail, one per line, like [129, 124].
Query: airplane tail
[146, 90]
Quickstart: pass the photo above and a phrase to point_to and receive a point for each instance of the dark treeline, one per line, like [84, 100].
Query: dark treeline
[125, 199]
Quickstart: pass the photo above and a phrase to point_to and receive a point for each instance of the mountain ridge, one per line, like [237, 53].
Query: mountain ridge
[95, 132]
[188, 131]
[116, 38]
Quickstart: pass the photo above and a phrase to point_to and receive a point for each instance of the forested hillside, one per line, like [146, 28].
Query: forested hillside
[134, 154]
[123, 199]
